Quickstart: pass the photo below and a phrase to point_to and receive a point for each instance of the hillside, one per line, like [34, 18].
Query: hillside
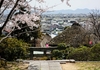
[75, 36]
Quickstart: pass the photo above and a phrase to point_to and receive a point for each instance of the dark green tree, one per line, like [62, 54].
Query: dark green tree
[95, 50]
[12, 49]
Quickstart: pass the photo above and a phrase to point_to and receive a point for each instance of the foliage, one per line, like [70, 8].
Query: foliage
[3, 62]
[57, 54]
[95, 50]
[61, 52]
[12, 49]
[69, 50]
[61, 46]
[81, 54]
[15, 66]
[85, 53]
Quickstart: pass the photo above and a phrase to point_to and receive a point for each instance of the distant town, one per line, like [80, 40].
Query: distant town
[53, 24]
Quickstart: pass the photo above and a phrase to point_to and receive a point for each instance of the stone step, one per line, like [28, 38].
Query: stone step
[44, 65]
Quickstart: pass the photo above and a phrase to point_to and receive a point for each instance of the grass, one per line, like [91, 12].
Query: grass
[15, 66]
[89, 65]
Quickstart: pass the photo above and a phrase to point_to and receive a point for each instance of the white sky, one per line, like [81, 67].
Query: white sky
[75, 4]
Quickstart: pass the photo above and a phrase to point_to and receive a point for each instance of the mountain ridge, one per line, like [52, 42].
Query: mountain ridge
[77, 11]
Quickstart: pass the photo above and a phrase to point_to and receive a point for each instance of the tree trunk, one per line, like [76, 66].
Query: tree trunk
[1, 4]
[9, 15]
[34, 42]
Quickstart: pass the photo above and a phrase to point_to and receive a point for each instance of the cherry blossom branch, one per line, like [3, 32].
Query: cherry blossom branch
[29, 31]
[7, 35]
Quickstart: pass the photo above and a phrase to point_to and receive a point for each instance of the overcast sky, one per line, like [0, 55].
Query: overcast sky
[75, 4]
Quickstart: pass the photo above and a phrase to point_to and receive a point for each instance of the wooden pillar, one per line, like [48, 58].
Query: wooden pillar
[31, 54]
[51, 55]
[44, 52]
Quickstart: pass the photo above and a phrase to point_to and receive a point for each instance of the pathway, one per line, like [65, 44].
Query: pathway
[44, 65]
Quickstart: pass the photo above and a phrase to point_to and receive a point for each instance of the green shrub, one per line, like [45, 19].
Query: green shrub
[12, 49]
[57, 54]
[69, 50]
[95, 50]
[81, 54]
[3, 63]
[61, 46]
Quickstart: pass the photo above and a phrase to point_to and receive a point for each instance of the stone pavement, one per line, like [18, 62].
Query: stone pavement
[44, 65]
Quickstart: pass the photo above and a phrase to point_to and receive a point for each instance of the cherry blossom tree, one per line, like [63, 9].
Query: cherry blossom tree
[20, 14]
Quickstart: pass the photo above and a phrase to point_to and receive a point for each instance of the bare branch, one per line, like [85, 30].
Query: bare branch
[67, 2]
[95, 24]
